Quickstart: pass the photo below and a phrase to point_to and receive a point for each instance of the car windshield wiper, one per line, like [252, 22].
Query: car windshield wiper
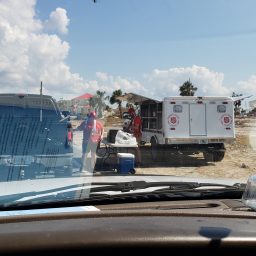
[170, 189]
[171, 186]
[101, 190]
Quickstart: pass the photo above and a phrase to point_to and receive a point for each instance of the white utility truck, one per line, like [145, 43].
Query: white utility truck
[188, 125]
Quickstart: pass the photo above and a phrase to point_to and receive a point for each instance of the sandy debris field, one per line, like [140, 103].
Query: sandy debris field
[239, 161]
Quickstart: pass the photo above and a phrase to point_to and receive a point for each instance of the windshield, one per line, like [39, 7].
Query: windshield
[122, 91]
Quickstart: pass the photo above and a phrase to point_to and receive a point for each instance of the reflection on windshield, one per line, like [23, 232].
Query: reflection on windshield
[34, 137]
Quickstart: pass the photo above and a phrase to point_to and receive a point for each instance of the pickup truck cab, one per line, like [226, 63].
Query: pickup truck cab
[35, 139]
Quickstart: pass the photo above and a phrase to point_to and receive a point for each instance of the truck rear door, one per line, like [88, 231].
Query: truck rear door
[197, 119]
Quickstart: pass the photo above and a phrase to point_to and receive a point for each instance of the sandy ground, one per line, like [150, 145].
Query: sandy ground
[239, 161]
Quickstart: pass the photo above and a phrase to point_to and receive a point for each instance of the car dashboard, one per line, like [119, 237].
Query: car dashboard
[224, 227]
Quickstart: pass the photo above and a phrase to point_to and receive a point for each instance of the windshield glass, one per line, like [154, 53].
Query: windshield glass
[118, 91]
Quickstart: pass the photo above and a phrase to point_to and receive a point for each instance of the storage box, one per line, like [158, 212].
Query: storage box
[125, 163]
[111, 136]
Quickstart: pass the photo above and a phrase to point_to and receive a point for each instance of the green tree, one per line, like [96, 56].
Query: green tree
[113, 100]
[98, 102]
[187, 89]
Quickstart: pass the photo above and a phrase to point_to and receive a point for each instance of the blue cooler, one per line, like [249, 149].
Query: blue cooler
[125, 163]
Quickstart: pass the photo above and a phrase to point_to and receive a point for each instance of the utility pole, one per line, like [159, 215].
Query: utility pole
[41, 102]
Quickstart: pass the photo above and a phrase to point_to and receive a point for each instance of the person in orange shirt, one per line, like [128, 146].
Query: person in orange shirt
[136, 125]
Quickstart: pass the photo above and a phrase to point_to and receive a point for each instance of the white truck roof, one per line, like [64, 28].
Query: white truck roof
[136, 98]
[199, 98]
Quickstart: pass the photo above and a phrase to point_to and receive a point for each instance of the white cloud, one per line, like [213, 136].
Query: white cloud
[29, 55]
[248, 86]
[58, 21]
[109, 83]
[16, 16]
[102, 76]
[167, 82]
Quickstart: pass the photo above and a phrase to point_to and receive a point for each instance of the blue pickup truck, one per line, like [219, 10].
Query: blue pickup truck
[35, 138]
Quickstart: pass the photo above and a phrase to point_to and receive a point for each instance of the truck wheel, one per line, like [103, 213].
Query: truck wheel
[155, 150]
[208, 156]
[218, 156]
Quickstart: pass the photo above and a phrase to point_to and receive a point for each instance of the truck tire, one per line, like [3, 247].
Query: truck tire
[208, 156]
[155, 150]
[215, 156]
[218, 156]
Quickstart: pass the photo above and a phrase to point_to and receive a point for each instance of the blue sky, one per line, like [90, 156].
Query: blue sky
[138, 36]
[147, 46]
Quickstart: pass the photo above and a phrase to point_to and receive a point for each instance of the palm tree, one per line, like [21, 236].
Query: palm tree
[113, 99]
[98, 102]
[187, 89]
